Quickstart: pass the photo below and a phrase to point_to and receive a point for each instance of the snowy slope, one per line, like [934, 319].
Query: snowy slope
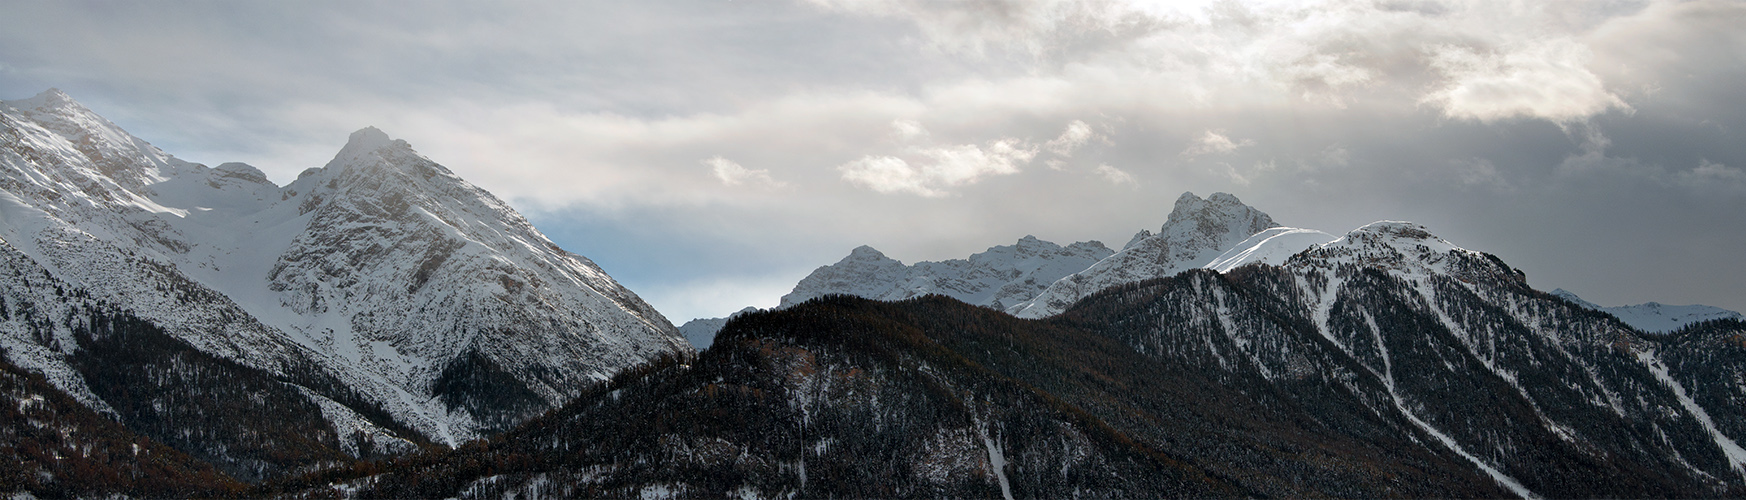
[1196, 232]
[1655, 317]
[383, 268]
[1271, 247]
[998, 277]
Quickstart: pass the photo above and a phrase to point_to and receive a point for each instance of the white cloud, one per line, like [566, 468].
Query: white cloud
[887, 174]
[1214, 142]
[732, 174]
[1336, 156]
[1254, 172]
[908, 130]
[1033, 27]
[1546, 79]
[1481, 173]
[1592, 155]
[1074, 137]
[1709, 174]
[1115, 175]
[947, 167]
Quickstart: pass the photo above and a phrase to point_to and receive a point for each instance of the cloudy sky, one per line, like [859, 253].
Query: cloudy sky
[710, 153]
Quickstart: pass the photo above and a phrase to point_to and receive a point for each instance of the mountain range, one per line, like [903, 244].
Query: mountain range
[1387, 363]
[1218, 233]
[380, 327]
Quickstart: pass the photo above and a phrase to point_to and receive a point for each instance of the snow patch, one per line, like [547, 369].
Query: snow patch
[1735, 454]
[1271, 247]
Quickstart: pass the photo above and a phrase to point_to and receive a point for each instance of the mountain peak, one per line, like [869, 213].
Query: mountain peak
[1409, 250]
[865, 252]
[242, 171]
[91, 141]
[1226, 198]
[53, 96]
[367, 139]
[57, 104]
[369, 135]
[1396, 235]
[1197, 232]
[1220, 209]
[372, 146]
[52, 102]
[47, 99]
[1219, 216]
[1032, 244]
[1399, 229]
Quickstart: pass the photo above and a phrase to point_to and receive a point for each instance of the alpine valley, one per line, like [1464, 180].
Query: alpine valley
[380, 328]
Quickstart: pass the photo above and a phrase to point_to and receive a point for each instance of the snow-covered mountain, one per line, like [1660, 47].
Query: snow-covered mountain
[1655, 317]
[997, 278]
[1197, 232]
[421, 293]
[1035, 278]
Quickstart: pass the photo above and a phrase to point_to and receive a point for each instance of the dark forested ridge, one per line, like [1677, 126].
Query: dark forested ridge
[840, 397]
[56, 447]
[1244, 429]
[248, 423]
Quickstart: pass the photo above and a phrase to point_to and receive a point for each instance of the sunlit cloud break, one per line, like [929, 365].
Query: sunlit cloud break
[943, 167]
[1546, 79]
[732, 174]
[1215, 142]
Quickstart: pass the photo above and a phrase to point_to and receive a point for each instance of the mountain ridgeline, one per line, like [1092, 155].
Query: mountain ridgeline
[380, 328]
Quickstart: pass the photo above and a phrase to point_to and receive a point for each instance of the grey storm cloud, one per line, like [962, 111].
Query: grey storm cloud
[711, 153]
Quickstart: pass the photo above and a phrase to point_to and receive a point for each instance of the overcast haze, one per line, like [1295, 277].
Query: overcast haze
[709, 154]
